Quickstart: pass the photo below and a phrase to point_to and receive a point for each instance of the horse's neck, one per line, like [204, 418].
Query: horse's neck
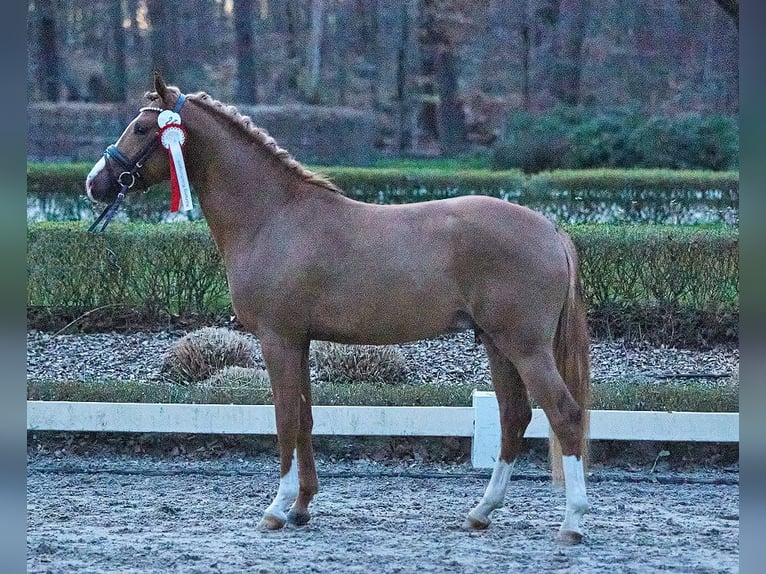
[238, 185]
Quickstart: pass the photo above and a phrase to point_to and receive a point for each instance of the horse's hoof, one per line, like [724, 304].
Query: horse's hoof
[298, 518]
[568, 537]
[475, 523]
[271, 522]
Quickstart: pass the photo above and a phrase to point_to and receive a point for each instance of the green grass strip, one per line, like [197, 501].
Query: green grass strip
[693, 396]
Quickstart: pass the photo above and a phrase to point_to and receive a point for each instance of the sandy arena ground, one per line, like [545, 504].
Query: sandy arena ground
[152, 515]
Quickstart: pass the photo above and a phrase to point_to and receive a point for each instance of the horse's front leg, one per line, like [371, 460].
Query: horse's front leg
[307, 475]
[287, 365]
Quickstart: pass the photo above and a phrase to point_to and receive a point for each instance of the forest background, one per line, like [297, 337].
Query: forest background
[441, 77]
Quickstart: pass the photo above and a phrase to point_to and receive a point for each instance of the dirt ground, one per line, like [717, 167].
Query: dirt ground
[139, 514]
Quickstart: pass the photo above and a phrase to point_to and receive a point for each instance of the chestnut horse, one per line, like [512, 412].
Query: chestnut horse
[304, 262]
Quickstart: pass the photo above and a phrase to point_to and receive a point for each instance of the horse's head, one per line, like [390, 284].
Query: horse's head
[137, 160]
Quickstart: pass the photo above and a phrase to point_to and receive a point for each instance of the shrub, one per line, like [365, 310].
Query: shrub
[688, 141]
[204, 352]
[566, 138]
[406, 185]
[664, 185]
[658, 187]
[671, 284]
[675, 285]
[604, 141]
[338, 363]
[236, 385]
[536, 143]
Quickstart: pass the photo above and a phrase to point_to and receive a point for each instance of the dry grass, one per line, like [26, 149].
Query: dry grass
[203, 353]
[359, 363]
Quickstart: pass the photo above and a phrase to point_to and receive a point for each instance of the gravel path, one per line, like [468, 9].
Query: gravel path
[454, 358]
[144, 515]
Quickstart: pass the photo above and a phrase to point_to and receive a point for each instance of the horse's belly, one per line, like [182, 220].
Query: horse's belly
[389, 320]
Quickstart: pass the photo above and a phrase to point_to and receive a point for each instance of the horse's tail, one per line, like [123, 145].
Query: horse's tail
[572, 351]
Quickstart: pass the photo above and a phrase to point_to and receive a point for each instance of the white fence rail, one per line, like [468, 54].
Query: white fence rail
[480, 421]
[604, 425]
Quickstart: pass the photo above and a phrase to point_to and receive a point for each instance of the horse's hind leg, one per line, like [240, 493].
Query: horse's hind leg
[515, 414]
[537, 368]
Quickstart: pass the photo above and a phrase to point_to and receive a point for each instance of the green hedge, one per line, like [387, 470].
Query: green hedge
[157, 269]
[633, 180]
[668, 284]
[569, 196]
[398, 185]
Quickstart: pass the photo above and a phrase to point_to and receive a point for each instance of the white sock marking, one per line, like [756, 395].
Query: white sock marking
[495, 494]
[577, 500]
[287, 491]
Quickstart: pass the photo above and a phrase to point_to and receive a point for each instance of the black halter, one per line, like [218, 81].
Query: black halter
[131, 171]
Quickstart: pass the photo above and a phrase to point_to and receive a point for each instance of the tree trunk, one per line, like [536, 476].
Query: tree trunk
[525, 49]
[428, 39]
[292, 40]
[315, 51]
[118, 76]
[246, 84]
[442, 119]
[49, 71]
[375, 50]
[163, 37]
[403, 51]
[573, 19]
[452, 129]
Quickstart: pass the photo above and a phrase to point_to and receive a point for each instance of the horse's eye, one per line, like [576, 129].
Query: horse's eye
[139, 130]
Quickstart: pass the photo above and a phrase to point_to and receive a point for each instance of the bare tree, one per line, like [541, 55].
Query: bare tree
[292, 31]
[118, 75]
[246, 84]
[443, 26]
[163, 40]
[525, 49]
[49, 68]
[404, 56]
[314, 51]
[572, 21]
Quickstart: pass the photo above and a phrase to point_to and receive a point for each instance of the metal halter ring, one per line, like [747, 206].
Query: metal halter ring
[132, 179]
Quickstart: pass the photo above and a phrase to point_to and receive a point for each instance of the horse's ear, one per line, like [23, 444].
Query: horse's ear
[159, 85]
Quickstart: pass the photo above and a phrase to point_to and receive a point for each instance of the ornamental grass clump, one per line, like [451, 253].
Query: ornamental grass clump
[338, 363]
[237, 385]
[202, 353]
[236, 377]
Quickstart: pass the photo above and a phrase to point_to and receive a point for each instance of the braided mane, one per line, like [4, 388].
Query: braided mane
[245, 124]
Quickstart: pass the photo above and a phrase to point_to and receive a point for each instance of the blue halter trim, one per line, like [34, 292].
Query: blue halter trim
[179, 103]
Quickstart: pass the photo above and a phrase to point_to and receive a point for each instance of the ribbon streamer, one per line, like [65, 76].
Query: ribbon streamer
[173, 136]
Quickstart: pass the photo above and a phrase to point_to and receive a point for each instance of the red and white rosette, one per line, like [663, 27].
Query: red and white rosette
[173, 136]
